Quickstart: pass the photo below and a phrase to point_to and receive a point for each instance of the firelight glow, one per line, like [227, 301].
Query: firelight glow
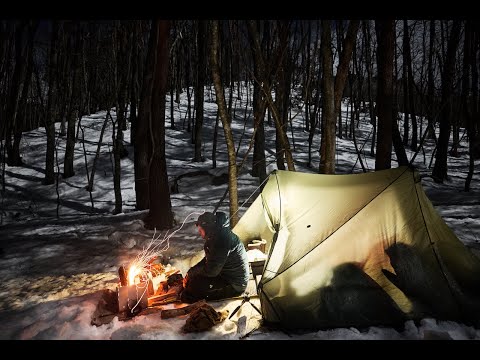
[132, 272]
[156, 246]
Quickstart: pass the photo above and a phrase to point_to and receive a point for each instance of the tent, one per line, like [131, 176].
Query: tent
[358, 250]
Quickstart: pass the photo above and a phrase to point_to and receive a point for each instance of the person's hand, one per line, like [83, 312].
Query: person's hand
[185, 280]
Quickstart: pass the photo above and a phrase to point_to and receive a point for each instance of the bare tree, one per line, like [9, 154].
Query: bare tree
[142, 144]
[14, 93]
[369, 66]
[409, 106]
[19, 115]
[327, 148]
[385, 51]
[73, 109]
[51, 109]
[199, 88]
[439, 173]
[224, 116]
[160, 215]
[469, 62]
[327, 164]
[264, 85]
[259, 108]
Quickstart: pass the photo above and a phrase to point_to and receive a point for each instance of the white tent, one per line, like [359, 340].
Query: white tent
[358, 250]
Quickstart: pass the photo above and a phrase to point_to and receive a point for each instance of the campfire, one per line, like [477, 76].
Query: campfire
[146, 285]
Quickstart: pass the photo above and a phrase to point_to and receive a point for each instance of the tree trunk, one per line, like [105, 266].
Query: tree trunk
[439, 173]
[222, 108]
[142, 143]
[328, 145]
[199, 88]
[160, 215]
[405, 107]
[327, 163]
[431, 118]
[468, 60]
[51, 109]
[20, 122]
[385, 51]
[14, 94]
[369, 65]
[411, 89]
[73, 111]
[134, 84]
[123, 76]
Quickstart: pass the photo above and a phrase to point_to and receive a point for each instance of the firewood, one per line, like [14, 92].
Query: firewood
[169, 313]
[161, 297]
[171, 298]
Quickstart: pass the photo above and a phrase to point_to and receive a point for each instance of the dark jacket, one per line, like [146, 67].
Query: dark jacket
[225, 255]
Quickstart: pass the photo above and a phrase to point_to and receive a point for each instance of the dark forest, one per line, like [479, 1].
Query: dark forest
[55, 71]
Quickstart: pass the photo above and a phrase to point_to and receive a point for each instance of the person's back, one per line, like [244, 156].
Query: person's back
[235, 270]
[223, 272]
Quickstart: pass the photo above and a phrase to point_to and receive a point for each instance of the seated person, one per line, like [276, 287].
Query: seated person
[223, 271]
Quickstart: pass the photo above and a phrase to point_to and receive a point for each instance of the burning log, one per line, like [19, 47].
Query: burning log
[170, 296]
[169, 313]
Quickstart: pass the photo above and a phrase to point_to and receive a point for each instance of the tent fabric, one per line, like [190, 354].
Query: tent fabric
[358, 250]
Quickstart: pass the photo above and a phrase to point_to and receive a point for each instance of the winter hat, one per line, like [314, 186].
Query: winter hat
[206, 220]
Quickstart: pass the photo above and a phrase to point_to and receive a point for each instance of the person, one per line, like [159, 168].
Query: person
[223, 271]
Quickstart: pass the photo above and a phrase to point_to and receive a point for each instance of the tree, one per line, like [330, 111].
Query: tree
[12, 126]
[18, 112]
[369, 66]
[410, 88]
[73, 109]
[327, 163]
[327, 149]
[282, 87]
[140, 128]
[385, 51]
[469, 61]
[259, 108]
[160, 215]
[265, 82]
[222, 108]
[199, 87]
[51, 109]
[439, 173]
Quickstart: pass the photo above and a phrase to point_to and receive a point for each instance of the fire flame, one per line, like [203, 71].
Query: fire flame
[132, 273]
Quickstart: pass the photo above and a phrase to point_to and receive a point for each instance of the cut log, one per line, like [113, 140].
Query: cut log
[169, 313]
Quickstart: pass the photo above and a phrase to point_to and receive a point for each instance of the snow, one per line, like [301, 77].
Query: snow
[54, 271]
